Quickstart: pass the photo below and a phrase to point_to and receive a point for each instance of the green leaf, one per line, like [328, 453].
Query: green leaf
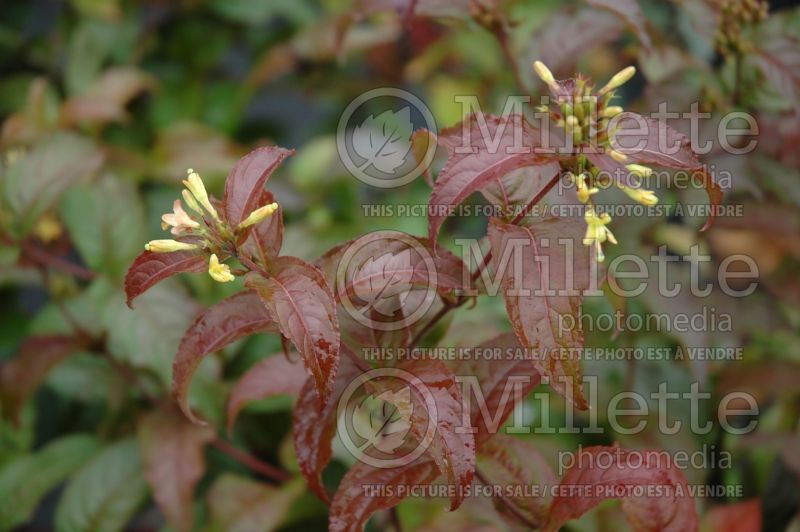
[240, 504]
[148, 337]
[104, 495]
[24, 482]
[35, 182]
[106, 223]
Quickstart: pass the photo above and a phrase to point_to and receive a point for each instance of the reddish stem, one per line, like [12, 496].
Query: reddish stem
[251, 462]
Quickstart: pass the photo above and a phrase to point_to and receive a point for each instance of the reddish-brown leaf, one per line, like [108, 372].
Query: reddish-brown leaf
[502, 382]
[651, 141]
[151, 268]
[275, 375]
[314, 427]
[383, 264]
[511, 461]
[301, 303]
[543, 299]
[588, 29]
[744, 516]
[631, 13]
[22, 375]
[352, 507]
[235, 317]
[266, 237]
[452, 450]
[172, 452]
[608, 471]
[500, 145]
[245, 183]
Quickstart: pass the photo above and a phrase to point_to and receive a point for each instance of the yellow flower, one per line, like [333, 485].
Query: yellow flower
[198, 190]
[545, 75]
[618, 156]
[597, 232]
[643, 196]
[178, 220]
[619, 79]
[582, 189]
[611, 111]
[168, 246]
[218, 271]
[191, 202]
[639, 170]
[259, 214]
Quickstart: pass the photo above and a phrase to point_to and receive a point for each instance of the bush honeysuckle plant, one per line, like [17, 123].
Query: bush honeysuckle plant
[301, 302]
[341, 371]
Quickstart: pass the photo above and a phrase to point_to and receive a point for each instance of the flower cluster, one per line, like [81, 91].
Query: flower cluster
[735, 17]
[206, 231]
[586, 116]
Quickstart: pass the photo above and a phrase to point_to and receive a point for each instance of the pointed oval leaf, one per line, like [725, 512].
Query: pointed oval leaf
[302, 305]
[511, 461]
[105, 494]
[245, 183]
[554, 273]
[631, 12]
[606, 469]
[275, 375]
[314, 427]
[151, 268]
[172, 452]
[498, 145]
[351, 508]
[502, 384]
[22, 375]
[235, 317]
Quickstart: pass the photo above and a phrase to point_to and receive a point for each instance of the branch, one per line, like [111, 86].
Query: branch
[251, 462]
[43, 257]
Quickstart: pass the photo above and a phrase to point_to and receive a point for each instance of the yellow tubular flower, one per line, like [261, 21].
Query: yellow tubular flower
[218, 271]
[545, 75]
[259, 214]
[582, 189]
[198, 190]
[643, 196]
[619, 79]
[168, 246]
[178, 220]
[639, 170]
[611, 111]
[191, 202]
[618, 156]
[597, 232]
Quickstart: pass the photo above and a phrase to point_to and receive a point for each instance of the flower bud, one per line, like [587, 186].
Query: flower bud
[259, 214]
[618, 156]
[168, 246]
[545, 75]
[639, 170]
[619, 79]
[611, 111]
[198, 190]
[218, 271]
[643, 196]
